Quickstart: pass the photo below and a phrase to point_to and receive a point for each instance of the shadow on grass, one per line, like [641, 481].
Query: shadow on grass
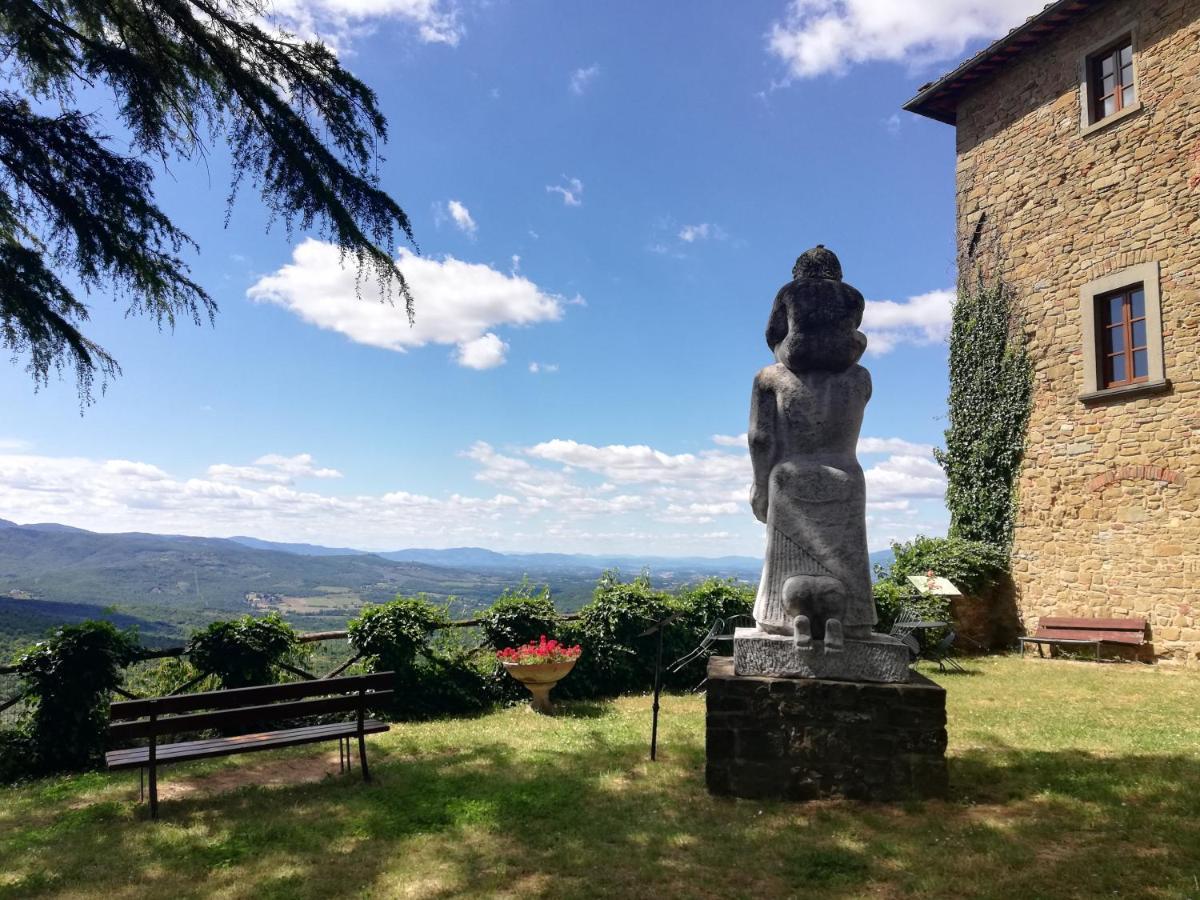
[589, 817]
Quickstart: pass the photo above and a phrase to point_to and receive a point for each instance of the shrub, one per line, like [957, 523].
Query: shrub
[520, 615]
[616, 659]
[437, 673]
[701, 606]
[391, 635]
[244, 652]
[68, 679]
[972, 566]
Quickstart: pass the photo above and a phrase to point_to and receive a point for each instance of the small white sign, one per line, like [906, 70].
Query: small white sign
[937, 586]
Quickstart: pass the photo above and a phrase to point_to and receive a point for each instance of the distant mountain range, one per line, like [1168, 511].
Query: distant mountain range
[169, 583]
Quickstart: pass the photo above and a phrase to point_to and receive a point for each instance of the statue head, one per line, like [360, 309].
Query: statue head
[817, 263]
[814, 323]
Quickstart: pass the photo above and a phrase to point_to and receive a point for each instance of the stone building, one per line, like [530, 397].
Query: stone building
[1078, 179]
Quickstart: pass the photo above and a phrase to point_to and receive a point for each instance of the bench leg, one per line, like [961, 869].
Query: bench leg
[153, 791]
[362, 755]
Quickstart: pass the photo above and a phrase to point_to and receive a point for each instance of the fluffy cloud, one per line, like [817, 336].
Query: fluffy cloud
[581, 78]
[731, 440]
[822, 36]
[555, 495]
[571, 190]
[461, 216]
[906, 476]
[540, 368]
[338, 22]
[689, 234]
[484, 352]
[920, 320]
[457, 303]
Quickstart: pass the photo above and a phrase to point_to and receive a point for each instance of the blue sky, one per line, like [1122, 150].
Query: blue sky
[606, 199]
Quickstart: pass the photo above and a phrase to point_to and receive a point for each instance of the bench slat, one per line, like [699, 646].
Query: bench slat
[241, 718]
[245, 743]
[1081, 634]
[1097, 624]
[251, 696]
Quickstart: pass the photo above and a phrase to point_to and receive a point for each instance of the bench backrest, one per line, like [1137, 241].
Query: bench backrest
[1117, 631]
[244, 707]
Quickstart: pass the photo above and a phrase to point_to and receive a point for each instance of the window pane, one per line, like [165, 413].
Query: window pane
[1127, 55]
[1110, 106]
[1141, 365]
[1116, 368]
[1127, 96]
[1137, 304]
[1106, 86]
[1114, 339]
[1106, 65]
[1139, 333]
[1112, 310]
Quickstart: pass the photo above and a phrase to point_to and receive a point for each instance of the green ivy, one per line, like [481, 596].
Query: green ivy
[244, 652]
[520, 615]
[991, 391]
[391, 635]
[971, 566]
[69, 678]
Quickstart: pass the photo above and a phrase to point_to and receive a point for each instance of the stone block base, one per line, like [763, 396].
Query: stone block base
[878, 658]
[805, 738]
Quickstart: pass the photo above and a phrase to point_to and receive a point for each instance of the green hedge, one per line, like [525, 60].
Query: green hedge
[972, 566]
[439, 670]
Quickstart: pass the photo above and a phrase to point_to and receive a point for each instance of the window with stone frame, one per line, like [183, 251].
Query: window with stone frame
[1121, 321]
[1111, 80]
[1123, 354]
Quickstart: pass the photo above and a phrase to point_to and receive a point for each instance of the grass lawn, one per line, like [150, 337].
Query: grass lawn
[1068, 779]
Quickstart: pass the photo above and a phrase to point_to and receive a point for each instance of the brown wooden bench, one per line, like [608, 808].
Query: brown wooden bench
[239, 710]
[1056, 630]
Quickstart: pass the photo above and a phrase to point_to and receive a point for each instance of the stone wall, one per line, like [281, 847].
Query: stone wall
[1109, 496]
[805, 738]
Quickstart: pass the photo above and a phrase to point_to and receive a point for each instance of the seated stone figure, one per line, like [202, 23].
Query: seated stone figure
[806, 411]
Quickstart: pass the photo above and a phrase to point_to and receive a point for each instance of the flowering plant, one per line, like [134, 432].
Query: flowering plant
[536, 652]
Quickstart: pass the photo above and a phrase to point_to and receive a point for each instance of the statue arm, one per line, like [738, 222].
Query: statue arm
[777, 324]
[762, 445]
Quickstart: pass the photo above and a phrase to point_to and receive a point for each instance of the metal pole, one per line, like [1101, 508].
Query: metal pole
[657, 690]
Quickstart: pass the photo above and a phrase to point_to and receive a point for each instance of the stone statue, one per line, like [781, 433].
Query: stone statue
[806, 410]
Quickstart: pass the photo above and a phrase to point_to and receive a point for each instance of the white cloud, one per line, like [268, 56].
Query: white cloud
[731, 440]
[457, 303]
[920, 320]
[485, 352]
[704, 231]
[538, 368]
[893, 445]
[273, 468]
[339, 21]
[582, 78]
[906, 476]
[461, 216]
[892, 124]
[11, 444]
[823, 36]
[557, 495]
[571, 191]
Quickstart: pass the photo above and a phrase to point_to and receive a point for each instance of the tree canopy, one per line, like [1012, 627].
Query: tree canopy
[77, 214]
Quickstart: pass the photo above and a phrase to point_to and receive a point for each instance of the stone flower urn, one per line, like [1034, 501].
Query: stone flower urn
[540, 679]
[540, 665]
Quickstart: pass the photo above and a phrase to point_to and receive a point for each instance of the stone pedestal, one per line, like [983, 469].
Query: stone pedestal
[877, 658]
[805, 738]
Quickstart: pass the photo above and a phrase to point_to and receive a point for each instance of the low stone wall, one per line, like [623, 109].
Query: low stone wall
[804, 738]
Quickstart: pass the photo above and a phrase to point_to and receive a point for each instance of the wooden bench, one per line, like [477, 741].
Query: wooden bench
[239, 710]
[1056, 630]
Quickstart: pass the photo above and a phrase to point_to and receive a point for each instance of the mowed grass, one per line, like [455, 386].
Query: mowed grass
[1069, 779]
